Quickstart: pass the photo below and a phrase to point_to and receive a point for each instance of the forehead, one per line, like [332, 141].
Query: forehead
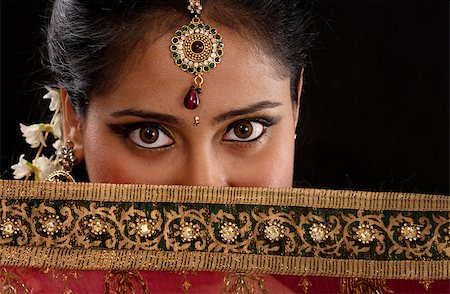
[151, 80]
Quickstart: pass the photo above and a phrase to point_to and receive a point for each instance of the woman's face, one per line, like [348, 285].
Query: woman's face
[140, 131]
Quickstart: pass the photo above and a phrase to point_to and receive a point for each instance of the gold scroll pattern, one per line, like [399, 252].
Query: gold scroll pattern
[363, 286]
[292, 231]
[242, 283]
[11, 284]
[123, 282]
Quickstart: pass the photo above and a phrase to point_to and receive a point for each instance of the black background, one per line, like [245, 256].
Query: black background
[375, 107]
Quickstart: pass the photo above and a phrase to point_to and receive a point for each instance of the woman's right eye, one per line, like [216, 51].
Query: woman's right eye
[150, 137]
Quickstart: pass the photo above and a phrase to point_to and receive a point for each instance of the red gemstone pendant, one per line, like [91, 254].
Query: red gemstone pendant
[192, 99]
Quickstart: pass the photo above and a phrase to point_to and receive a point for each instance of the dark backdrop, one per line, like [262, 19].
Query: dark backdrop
[375, 107]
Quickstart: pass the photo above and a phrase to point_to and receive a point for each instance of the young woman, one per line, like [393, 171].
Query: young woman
[177, 92]
[155, 93]
[123, 93]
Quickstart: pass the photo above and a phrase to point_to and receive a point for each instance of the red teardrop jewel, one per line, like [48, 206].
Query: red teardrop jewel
[192, 99]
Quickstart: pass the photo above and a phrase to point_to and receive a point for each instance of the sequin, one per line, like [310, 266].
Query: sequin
[318, 232]
[410, 232]
[51, 224]
[98, 226]
[229, 232]
[9, 228]
[145, 228]
[189, 231]
[365, 233]
[274, 231]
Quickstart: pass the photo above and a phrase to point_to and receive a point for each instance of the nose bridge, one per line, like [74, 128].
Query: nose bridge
[202, 167]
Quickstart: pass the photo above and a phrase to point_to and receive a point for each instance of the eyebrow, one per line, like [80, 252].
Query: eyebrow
[146, 114]
[246, 110]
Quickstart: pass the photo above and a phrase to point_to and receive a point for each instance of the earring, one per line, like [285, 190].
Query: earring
[67, 161]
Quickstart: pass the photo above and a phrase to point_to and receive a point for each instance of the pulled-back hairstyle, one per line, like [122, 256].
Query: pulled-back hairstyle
[89, 40]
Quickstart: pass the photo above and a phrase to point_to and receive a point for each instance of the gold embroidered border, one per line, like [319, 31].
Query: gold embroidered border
[317, 198]
[43, 257]
[246, 229]
[370, 215]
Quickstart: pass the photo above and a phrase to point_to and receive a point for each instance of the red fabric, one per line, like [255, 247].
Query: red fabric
[68, 281]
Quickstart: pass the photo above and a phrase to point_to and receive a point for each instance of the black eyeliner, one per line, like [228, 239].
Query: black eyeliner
[125, 129]
[266, 121]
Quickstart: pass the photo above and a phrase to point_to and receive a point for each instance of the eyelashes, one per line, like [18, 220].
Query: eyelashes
[145, 135]
[150, 137]
[248, 130]
[155, 136]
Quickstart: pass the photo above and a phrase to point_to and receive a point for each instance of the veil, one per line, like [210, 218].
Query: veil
[257, 231]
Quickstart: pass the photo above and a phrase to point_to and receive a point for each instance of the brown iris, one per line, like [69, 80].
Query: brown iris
[243, 129]
[149, 135]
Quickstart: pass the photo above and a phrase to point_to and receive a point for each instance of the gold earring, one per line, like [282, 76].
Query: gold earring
[67, 161]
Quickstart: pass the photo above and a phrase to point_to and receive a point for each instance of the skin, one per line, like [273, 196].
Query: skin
[243, 87]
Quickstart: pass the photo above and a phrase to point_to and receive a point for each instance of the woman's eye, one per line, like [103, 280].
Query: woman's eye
[244, 131]
[150, 137]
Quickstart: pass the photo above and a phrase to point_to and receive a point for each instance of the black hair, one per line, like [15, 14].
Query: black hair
[88, 41]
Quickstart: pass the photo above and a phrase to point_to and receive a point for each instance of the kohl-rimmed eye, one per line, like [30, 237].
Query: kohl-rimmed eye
[244, 131]
[150, 137]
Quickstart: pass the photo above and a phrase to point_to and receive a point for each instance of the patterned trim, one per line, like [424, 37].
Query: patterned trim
[43, 257]
[37, 228]
[225, 195]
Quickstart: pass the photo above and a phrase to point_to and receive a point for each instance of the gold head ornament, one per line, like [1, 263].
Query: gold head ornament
[196, 48]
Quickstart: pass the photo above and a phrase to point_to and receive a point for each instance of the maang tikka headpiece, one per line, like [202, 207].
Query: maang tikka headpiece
[196, 48]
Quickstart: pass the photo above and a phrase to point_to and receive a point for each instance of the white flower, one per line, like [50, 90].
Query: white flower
[33, 134]
[22, 169]
[44, 167]
[57, 127]
[57, 144]
[55, 102]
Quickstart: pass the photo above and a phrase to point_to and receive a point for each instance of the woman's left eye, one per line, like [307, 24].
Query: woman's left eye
[244, 131]
[150, 137]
